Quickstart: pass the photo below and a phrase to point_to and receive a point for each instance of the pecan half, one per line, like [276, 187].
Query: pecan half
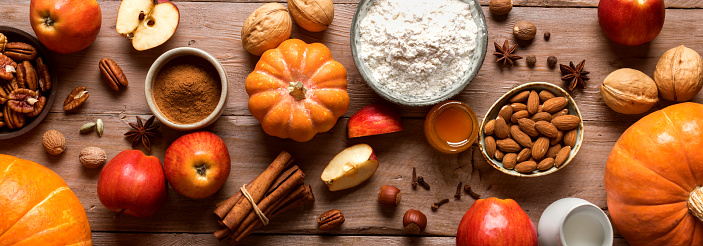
[38, 107]
[3, 42]
[114, 77]
[19, 51]
[22, 100]
[13, 120]
[330, 220]
[75, 99]
[7, 67]
[43, 75]
[26, 76]
[2, 119]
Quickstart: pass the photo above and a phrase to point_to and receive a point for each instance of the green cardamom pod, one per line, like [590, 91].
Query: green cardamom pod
[87, 127]
[99, 125]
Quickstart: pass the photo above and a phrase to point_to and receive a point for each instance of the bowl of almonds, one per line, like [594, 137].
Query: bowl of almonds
[27, 82]
[533, 130]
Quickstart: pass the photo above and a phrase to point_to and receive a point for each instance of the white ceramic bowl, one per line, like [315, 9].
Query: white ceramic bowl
[156, 67]
[477, 57]
[551, 223]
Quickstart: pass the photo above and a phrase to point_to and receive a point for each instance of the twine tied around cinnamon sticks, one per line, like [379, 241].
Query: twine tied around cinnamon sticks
[261, 215]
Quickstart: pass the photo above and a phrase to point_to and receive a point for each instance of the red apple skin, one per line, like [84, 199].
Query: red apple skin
[631, 22]
[496, 222]
[374, 119]
[65, 26]
[134, 182]
[197, 165]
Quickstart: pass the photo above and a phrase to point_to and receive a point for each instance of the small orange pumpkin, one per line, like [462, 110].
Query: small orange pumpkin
[653, 178]
[37, 207]
[297, 90]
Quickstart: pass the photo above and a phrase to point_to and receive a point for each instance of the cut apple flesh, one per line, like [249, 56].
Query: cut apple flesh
[350, 167]
[147, 24]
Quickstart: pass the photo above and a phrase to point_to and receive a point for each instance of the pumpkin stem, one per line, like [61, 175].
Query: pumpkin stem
[695, 202]
[297, 90]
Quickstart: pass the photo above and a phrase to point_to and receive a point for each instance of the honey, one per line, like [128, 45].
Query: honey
[451, 127]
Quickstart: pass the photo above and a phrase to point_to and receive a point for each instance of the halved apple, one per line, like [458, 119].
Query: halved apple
[374, 119]
[350, 167]
[147, 23]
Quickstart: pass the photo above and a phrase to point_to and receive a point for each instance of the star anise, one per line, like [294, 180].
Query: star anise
[142, 132]
[575, 74]
[505, 54]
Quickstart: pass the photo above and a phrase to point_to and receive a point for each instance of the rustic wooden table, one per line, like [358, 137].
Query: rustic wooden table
[214, 26]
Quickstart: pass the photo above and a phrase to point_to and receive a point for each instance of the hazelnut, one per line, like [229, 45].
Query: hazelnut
[629, 91]
[92, 157]
[54, 142]
[414, 221]
[266, 28]
[524, 30]
[389, 196]
[312, 15]
[679, 74]
[500, 7]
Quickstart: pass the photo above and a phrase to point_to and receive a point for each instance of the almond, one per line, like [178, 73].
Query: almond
[509, 160]
[528, 126]
[519, 115]
[552, 151]
[508, 145]
[556, 140]
[525, 154]
[502, 129]
[566, 122]
[533, 102]
[520, 137]
[499, 155]
[545, 164]
[539, 109]
[562, 156]
[539, 148]
[560, 113]
[490, 127]
[545, 95]
[547, 129]
[520, 97]
[555, 104]
[518, 106]
[505, 112]
[570, 138]
[542, 116]
[526, 167]
[490, 144]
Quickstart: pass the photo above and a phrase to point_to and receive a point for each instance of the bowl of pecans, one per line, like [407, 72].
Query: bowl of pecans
[28, 82]
[533, 130]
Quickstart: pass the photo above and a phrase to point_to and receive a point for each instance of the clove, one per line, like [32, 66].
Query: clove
[458, 191]
[414, 179]
[422, 182]
[436, 205]
[471, 192]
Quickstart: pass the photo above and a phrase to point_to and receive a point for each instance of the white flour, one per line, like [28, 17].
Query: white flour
[417, 47]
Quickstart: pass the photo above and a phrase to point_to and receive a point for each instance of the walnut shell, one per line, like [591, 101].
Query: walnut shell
[312, 15]
[500, 7]
[54, 142]
[679, 74]
[266, 28]
[92, 157]
[629, 91]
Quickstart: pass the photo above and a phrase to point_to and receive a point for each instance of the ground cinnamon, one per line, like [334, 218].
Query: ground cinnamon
[187, 89]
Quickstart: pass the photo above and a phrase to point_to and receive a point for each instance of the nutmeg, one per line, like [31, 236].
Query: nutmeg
[500, 7]
[389, 196]
[312, 15]
[54, 142]
[92, 157]
[414, 221]
[679, 74]
[524, 30]
[629, 91]
[266, 28]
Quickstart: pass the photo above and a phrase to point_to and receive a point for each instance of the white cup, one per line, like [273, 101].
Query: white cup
[574, 222]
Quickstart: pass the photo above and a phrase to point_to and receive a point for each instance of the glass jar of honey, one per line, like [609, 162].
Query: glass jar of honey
[451, 127]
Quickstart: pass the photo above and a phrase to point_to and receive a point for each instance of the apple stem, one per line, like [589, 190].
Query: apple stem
[119, 213]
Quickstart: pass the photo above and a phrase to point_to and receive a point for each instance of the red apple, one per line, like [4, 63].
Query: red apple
[374, 119]
[631, 22]
[65, 26]
[132, 183]
[197, 164]
[496, 222]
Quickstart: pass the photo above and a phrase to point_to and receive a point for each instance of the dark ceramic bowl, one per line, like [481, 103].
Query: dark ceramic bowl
[17, 35]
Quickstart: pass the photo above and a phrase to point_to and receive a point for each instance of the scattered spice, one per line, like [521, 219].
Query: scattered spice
[99, 127]
[458, 191]
[547, 35]
[422, 182]
[414, 182]
[87, 127]
[436, 205]
[505, 54]
[142, 132]
[471, 192]
[552, 61]
[575, 74]
[531, 60]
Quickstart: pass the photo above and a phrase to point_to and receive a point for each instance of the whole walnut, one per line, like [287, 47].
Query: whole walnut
[266, 28]
[679, 74]
[629, 91]
[312, 15]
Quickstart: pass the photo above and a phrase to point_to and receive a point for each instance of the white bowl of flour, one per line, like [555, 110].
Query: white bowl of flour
[418, 52]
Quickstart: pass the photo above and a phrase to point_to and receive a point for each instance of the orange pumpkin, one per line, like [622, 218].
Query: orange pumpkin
[37, 207]
[297, 90]
[654, 175]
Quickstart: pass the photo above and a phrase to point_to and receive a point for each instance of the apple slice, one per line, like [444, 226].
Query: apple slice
[147, 23]
[350, 167]
[374, 119]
